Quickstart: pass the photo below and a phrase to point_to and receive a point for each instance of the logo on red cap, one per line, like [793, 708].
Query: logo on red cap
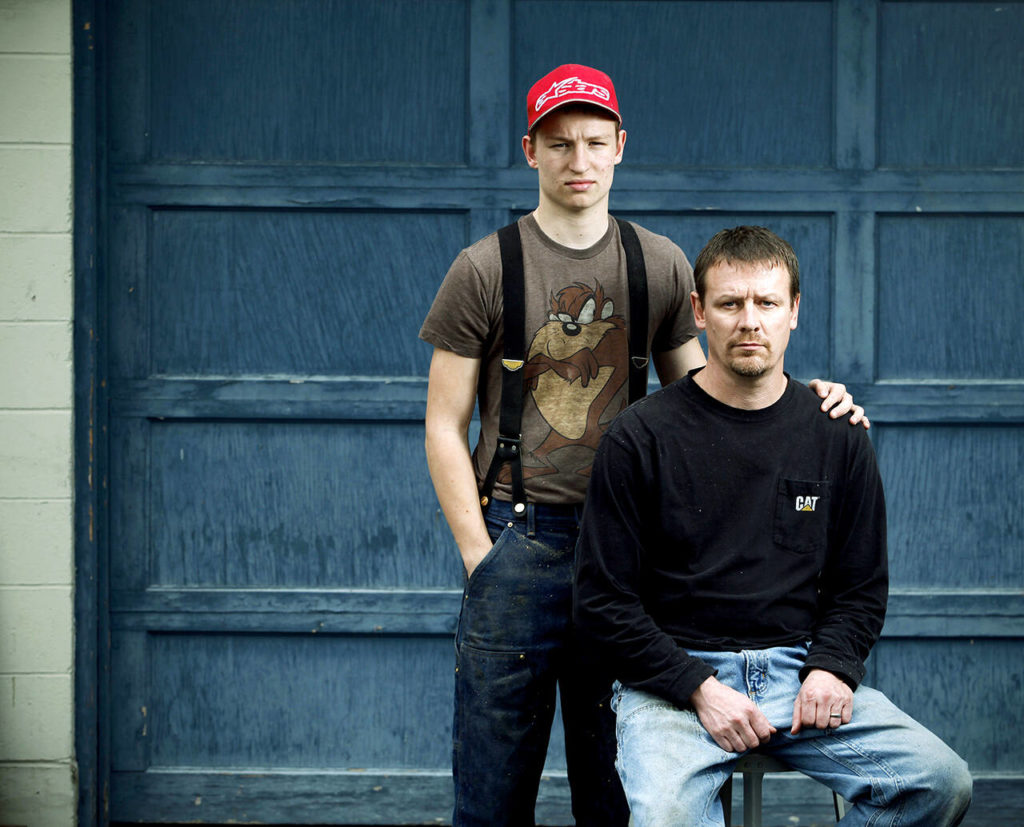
[571, 83]
[561, 88]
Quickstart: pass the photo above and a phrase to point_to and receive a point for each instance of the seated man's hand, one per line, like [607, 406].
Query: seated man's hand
[824, 702]
[838, 402]
[730, 717]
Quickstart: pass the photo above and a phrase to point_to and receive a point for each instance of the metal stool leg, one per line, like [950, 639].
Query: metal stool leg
[753, 769]
[726, 796]
[752, 798]
[839, 804]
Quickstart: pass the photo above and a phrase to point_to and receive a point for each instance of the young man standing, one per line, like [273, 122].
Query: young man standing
[513, 505]
[732, 568]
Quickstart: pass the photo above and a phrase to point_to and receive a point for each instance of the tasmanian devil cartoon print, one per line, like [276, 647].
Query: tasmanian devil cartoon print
[576, 365]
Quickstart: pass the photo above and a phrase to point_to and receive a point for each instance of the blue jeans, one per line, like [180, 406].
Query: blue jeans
[514, 646]
[890, 768]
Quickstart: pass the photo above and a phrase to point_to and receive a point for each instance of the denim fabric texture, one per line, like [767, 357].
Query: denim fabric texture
[890, 768]
[514, 647]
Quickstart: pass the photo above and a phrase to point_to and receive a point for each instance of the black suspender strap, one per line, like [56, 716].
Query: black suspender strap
[636, 275]
[510, 448]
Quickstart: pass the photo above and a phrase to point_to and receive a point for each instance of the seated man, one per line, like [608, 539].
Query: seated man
[732, 565]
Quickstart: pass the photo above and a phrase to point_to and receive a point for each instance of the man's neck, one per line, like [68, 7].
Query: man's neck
[576, 230]
[748, 393]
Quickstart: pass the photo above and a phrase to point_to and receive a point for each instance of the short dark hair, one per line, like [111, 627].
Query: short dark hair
[579, 109]
[751, 245]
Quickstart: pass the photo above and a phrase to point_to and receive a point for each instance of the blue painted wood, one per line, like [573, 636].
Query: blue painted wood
[126, 24]
[969, 51]
[405, 400]
[398, 399]
[953, 612]
[855, 297]
[299, 701]
[943, 401]
[340, 81]
[953, 496]
[913, 613]
[969, 264]
[373, 612]
[314, 185]
[490, 122]
[127, 297]
[273, 238]
[269, 504]
[91, 656]
[132, 697]
[699, 82]
[856, 62]
[302, 293]
[369, 796]
[129, 518]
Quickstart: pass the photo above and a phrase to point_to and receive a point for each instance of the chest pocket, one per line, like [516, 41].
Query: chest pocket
[801, 515]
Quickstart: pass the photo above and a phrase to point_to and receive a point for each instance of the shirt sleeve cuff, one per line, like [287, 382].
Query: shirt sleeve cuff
[677, 688]
[850, 671]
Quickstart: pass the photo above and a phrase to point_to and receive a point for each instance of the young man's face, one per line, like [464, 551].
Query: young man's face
[748, 315]
[575, 154]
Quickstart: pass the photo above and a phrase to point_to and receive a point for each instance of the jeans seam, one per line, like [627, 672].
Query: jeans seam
[644, 707]
[822, 746]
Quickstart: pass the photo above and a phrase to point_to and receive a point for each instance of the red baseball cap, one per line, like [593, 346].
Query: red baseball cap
[571, 83]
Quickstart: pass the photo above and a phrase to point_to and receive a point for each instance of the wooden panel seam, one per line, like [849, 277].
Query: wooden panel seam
[915, 614]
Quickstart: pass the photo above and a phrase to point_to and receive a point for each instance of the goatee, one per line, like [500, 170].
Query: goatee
[751, 367]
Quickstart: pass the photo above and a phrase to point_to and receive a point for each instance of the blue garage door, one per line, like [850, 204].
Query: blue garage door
[286, 182]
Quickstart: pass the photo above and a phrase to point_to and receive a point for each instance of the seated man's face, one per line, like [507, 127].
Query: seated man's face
[748, 314]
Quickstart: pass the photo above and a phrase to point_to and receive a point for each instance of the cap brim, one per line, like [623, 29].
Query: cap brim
[587, 101]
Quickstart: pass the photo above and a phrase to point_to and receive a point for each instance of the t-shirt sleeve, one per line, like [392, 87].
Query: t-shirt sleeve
[460, 318]
[676, 326]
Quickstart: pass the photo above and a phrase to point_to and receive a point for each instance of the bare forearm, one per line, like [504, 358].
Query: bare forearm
[675, 364]
[451, 470]
[451, 393]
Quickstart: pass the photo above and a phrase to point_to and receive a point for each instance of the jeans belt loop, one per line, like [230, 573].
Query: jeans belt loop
[531, 520]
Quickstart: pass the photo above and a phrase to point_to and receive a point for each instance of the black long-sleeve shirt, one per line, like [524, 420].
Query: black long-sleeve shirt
[714, 528]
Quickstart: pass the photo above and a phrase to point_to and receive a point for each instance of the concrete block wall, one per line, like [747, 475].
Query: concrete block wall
[37, 770]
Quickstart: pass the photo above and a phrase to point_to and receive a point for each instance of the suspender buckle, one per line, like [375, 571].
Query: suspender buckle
[509, 448]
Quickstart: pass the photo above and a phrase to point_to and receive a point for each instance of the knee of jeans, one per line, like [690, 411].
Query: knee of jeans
[947, 787]
[955, 779]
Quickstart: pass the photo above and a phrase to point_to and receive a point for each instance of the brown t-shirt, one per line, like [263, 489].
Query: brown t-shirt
[577, 351]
